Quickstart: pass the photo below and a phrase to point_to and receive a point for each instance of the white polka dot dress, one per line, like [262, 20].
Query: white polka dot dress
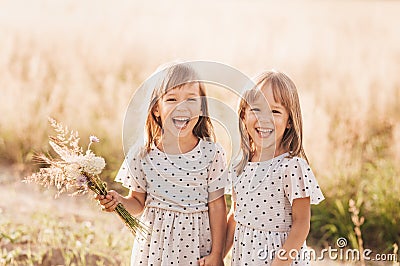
[264, 195]
[179, 188]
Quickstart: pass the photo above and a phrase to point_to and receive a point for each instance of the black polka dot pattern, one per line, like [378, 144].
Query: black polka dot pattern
[264, 195]
[179, 188]
[253, 247]
[175, 239]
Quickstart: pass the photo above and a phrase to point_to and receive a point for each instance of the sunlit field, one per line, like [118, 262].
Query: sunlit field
[81, 61]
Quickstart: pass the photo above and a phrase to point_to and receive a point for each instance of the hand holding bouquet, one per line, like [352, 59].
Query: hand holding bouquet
[77, 171]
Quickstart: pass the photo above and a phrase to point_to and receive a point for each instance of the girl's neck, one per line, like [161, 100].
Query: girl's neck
[175, 145]
[266, 154]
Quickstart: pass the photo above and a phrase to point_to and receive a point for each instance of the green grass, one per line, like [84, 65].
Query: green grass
[48, 240]
[369, 178]
[36, 229]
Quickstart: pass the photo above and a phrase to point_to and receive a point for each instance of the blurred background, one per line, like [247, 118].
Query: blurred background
[81, 61]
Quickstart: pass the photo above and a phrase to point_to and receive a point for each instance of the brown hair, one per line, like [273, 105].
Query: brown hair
[175, 76]
[284, 91]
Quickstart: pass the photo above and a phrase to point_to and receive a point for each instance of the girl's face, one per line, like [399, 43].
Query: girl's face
[179, 110]
[266, 121]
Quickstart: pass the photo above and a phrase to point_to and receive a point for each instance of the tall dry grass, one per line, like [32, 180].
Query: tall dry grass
[81, 61]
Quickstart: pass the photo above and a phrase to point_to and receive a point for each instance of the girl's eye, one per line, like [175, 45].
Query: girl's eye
[276, 112]
[170, 100]
[255, 109]
[192, 100]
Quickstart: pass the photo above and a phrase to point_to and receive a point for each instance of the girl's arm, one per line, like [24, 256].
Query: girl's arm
[298, 233]
[217, 214]
[134, 202]
[230, 231]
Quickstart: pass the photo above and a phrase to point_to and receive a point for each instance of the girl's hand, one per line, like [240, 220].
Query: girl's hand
[211, 260]
[110, 201]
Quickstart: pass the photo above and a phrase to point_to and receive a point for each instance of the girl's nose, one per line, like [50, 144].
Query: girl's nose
[181, 106]
[267, 118]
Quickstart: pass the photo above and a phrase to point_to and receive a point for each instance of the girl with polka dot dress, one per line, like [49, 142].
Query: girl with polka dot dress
[273, 185]
[177, 179]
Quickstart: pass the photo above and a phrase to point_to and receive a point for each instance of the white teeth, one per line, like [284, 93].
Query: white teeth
[180, 122]
[264, 130]
[182, 118]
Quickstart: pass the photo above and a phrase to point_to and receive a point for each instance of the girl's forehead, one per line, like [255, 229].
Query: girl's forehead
[187, 88]
[258, 98]
[263, 97]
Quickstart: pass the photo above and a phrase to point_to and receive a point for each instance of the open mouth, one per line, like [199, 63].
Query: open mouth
[181, 122]
[264, 132]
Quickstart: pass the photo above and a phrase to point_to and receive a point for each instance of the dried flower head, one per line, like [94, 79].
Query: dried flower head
[76, 171]
[94, 139]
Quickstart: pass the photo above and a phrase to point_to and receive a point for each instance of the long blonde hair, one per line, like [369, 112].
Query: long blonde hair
[175, 76]
[284, 91]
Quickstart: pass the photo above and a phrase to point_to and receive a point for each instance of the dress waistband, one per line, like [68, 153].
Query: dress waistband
[262, 229]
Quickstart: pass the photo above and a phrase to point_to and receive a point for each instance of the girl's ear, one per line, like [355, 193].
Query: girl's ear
[289, 124]
[156, 112]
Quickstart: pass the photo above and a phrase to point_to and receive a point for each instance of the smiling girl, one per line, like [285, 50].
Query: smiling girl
[177, 180]
[273, 185]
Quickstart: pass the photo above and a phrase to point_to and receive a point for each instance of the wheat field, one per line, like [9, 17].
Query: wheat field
[81, 61]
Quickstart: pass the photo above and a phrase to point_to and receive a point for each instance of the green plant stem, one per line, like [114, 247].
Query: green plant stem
[99, 187]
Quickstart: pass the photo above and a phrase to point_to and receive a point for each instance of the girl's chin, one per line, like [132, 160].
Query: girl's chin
[181, 129]
[180, 133]
[265, 146]
[264, 142]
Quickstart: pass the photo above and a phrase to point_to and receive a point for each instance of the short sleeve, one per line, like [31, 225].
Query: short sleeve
[131, 174]
[218, 175]
[300, 182]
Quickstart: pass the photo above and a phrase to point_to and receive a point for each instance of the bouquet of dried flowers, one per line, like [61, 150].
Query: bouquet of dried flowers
[77, 171]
